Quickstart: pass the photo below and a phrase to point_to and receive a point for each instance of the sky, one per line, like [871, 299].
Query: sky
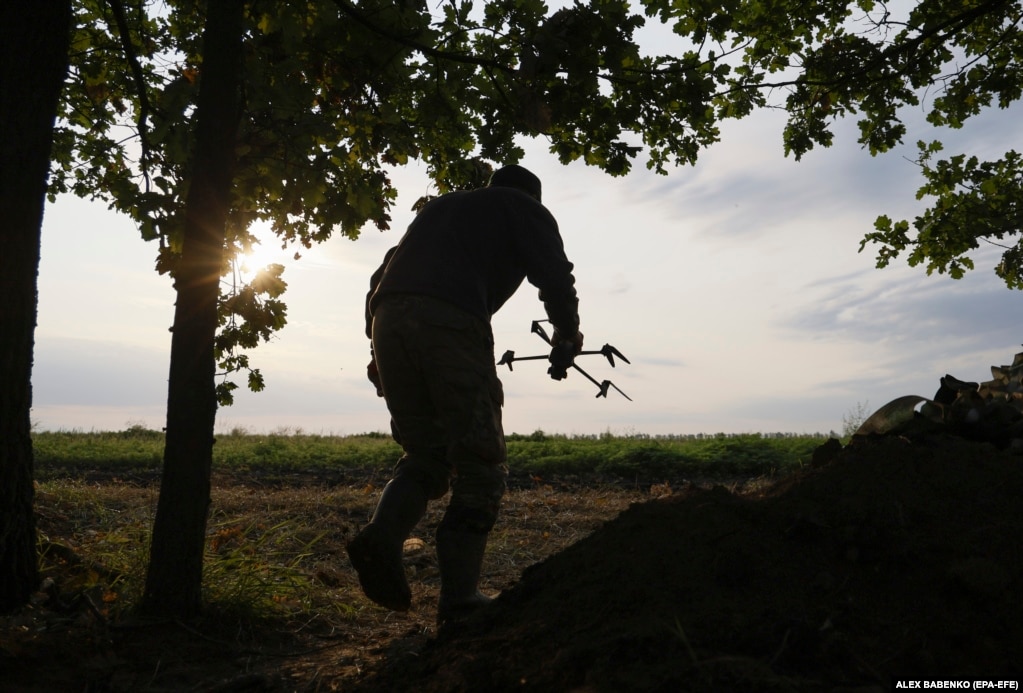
[734, 287]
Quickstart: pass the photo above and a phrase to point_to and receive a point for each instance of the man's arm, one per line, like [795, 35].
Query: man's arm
[549, 270]
[562, 307]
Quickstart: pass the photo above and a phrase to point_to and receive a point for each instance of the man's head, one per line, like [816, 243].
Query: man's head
[514, 176]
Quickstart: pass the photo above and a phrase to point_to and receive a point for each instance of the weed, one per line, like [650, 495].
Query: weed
[854, 418]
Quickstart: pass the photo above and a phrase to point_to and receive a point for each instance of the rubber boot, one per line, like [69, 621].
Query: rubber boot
[376, 551]
[460, 557]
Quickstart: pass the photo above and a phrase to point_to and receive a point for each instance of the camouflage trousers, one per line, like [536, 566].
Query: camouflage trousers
[439, 378]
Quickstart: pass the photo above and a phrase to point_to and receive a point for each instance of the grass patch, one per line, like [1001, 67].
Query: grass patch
[645, 457]
[266, 556]
[139, 450]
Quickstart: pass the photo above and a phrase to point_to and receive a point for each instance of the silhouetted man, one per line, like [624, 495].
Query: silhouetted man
[428, 314]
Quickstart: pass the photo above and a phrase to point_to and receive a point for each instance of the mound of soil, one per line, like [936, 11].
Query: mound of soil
[891, 560]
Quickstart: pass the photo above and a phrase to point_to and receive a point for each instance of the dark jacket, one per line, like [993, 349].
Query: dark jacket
[473, 249]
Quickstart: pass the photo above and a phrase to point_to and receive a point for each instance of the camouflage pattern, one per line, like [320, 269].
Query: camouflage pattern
[439, 379]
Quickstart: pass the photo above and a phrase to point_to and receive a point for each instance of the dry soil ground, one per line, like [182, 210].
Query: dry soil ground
[890, 560]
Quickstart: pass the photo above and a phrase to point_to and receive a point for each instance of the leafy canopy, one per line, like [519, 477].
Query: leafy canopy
[340, 92]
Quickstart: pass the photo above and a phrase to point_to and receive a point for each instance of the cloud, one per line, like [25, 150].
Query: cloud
[79, 372]
[974, 312]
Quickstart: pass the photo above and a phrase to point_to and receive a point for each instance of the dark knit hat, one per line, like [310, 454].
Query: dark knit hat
[514, 176]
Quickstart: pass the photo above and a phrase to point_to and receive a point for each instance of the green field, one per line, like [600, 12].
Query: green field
[606, 456]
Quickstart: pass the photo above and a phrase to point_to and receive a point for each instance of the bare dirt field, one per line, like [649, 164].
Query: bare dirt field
[888, 560]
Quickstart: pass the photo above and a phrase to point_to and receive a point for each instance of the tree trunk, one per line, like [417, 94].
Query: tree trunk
[174, 578]
[34, 40]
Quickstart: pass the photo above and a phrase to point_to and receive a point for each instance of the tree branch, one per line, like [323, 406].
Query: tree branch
[949, 26]
[426, 50]
[123, 31]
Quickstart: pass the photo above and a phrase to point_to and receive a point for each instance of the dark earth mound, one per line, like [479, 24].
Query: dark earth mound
[890, 560]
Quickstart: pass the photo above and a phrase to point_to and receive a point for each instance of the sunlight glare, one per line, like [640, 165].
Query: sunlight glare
[265, 251]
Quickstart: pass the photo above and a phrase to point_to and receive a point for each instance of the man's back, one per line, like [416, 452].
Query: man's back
[473, 249]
